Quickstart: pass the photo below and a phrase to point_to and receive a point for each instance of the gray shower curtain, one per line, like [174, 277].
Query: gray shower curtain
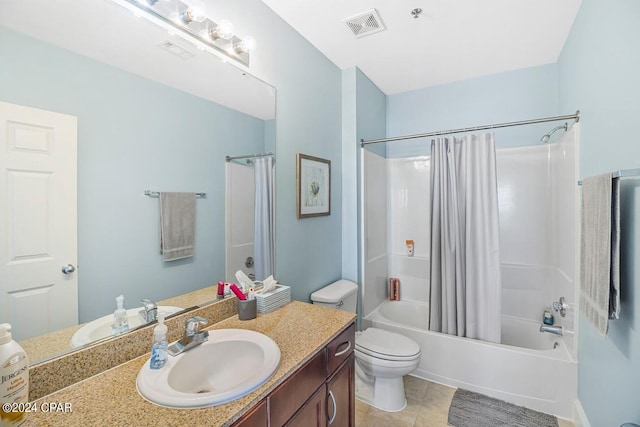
[465, 296]
[264, 245]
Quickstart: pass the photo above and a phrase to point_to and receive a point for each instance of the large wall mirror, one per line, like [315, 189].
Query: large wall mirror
[153, 113]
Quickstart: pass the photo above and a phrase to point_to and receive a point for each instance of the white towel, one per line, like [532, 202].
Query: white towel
[599, 254]
[177, 225]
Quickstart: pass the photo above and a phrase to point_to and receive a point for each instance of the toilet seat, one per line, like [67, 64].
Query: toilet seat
[387, 345]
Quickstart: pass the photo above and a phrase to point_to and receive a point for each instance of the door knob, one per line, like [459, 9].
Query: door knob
[68, 269]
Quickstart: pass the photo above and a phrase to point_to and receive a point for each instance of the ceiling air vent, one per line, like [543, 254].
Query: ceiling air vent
[366, 23]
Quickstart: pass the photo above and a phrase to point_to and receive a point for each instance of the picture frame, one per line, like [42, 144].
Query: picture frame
[313, 186]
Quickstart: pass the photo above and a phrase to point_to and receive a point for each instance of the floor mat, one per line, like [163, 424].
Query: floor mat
[469, 409]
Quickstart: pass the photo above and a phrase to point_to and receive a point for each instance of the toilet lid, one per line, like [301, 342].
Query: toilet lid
[386, 344]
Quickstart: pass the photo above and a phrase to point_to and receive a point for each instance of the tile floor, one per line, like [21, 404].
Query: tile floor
[427, 406]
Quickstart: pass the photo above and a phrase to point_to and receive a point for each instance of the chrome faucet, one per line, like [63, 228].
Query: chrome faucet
[561, 306]
[558, 330]
[149, 312]
[192, 336]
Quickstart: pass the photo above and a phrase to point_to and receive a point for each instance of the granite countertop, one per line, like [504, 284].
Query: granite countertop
[111, 398]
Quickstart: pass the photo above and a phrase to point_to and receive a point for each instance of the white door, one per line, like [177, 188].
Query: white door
[38, 220]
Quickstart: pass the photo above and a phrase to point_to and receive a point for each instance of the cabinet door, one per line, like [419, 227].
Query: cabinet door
[256, 417]
[313, 412]
[341, 396]
[291, 395]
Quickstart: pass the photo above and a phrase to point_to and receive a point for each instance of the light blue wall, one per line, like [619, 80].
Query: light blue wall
[371, 109]
[309, 110]
[599, 71]
[133, 135]
[511, 96]
[364, 117]
[350, 167]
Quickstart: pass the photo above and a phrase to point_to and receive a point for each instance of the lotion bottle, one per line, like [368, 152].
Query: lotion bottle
[14, 378]
[160, 344]
[120, 322]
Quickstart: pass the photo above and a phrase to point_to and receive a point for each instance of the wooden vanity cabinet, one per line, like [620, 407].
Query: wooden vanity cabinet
[313, 413]
[333, 404]
[292, 394]
[322, 390]
[256, 417]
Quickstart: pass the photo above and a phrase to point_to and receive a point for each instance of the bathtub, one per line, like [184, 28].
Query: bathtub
[530, 368]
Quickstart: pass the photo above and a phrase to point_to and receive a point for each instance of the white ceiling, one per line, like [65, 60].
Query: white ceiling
[104, 31]
[452, 40]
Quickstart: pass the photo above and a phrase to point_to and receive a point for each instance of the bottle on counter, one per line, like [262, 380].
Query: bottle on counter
[120, 321]
[160, 344]
[14, 379]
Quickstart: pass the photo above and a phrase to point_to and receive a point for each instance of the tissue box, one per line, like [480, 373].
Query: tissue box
[274, 299]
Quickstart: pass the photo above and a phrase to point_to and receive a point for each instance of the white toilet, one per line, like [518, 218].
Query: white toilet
[382, 357]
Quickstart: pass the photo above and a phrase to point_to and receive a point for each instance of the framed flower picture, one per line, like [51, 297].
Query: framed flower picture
[313, 186]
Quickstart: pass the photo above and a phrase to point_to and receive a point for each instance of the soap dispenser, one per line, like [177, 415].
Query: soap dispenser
[120, 322]
[160, 344]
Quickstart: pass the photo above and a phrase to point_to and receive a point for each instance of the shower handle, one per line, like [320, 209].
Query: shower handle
[561, 306]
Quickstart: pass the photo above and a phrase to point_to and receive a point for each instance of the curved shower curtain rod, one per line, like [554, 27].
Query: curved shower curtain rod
[249, 156]
[575, 117]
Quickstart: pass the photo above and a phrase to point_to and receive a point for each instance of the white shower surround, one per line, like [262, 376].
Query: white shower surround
[537, 207]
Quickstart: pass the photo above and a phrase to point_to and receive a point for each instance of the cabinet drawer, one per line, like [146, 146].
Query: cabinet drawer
[291, 395]
[340, 348]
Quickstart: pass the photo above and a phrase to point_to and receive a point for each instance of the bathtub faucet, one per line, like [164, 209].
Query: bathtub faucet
[558, 330]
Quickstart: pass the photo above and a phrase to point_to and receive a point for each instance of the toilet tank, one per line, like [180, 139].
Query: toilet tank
[342, 295]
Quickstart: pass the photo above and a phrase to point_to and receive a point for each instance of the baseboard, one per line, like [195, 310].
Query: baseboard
[579, 416]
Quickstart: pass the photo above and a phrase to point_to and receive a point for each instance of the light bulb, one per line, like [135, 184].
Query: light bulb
[249, 43]
[194, 12]
[223, 30]
[189, 15]
[197, 10]
[246, 44]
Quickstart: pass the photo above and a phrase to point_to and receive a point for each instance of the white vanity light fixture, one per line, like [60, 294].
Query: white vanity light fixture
[187, 19]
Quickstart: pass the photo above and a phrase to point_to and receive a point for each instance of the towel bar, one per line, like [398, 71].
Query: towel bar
[621, 174]
[156, 194]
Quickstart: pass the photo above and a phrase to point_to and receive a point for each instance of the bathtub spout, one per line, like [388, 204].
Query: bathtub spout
[558, 330]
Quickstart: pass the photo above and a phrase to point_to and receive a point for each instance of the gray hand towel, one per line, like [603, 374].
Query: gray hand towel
[599, 252]
[177, 225]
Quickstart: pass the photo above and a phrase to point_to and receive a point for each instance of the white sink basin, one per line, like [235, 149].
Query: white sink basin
[231, 364]
[101, 328]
